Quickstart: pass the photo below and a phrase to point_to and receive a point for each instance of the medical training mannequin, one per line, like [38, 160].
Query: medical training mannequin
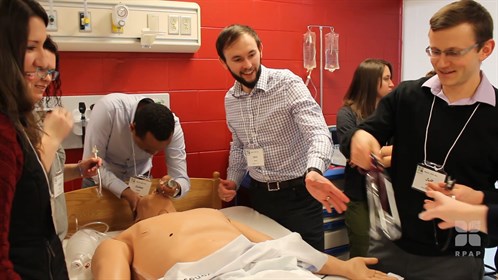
[152, 246]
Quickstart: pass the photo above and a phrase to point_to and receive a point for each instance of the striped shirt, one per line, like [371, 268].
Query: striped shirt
[281, 117]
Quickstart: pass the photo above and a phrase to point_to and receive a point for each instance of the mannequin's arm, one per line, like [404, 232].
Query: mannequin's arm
[355, 268]
[250, 233]
[112, 260]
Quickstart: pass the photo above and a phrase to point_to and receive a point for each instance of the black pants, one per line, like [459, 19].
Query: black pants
[416, 267]
[293, 208]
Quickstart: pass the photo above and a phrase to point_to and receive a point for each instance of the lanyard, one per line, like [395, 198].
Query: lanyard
[39, 161]
[254, 132]
[252, 124]
[46, 179]
[133, 150]
[433, 165]
[135, 161]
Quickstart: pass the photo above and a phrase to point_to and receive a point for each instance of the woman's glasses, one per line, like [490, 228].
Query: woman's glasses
[43, 73]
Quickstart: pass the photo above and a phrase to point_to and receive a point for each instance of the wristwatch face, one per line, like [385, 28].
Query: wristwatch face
[174, 185]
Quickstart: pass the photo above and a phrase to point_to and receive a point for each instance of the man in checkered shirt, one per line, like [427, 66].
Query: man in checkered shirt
[279, 137]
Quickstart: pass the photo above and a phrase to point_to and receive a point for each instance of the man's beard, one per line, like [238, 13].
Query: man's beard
[245, 83]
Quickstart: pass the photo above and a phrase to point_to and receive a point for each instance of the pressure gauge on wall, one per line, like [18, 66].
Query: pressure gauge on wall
[119, 15]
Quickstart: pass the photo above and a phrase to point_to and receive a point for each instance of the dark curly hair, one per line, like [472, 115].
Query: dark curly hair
[154, 117]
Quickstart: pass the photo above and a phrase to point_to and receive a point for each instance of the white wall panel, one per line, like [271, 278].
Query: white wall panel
[173, 26]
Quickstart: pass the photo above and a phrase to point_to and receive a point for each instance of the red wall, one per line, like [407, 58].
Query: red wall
[197, 82]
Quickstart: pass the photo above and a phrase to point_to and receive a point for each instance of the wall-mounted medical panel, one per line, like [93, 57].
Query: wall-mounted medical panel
[124, 26]
[81, 109]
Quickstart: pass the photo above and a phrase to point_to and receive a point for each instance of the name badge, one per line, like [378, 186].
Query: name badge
[58, 183]
[255, 157]
[425, 175]
[140, 185]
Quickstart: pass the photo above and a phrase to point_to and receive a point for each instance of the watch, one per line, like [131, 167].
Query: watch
[174, 185]
[313, 169]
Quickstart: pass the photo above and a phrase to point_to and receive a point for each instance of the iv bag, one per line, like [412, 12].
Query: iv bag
[309, 50]
[331, 51]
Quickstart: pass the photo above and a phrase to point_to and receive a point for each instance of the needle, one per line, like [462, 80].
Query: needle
[95, 152]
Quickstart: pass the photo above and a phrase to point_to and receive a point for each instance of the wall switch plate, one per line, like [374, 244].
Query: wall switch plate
[153, 22]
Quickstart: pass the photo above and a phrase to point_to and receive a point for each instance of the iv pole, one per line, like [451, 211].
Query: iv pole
[320, 27]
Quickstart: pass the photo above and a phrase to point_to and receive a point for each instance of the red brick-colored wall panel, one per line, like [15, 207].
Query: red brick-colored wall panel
[282, 45]
[81, 74]
[205, 136]
[73, 156]
[331, 119]
[185, 105]
[195, 74]
[220, 13]
[213, 161]
[136, 74]
[158, 166]
[211, 105]
[199, 105]
[208, 45]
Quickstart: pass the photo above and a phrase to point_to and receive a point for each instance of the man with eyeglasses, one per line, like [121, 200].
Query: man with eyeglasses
[441, 126]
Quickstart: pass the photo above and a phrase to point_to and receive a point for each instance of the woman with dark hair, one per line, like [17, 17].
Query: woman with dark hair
[48, 83]
[371, 81]
[53, 91]
[29, 249]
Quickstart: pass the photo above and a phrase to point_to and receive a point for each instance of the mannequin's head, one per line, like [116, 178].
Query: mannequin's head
[153, 205]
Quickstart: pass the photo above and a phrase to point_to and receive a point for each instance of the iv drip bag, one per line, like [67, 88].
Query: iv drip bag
[331, 51]
[309, 50]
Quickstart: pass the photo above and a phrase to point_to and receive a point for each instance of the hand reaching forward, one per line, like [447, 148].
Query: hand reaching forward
[454, 212]
[459, 192]
[363, 145]
[325, 192]
[355, 268]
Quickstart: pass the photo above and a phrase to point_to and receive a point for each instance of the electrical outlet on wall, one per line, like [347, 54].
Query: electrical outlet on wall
[185, 25]
[173, 25]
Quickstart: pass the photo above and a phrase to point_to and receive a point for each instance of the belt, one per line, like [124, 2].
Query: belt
[276, 186]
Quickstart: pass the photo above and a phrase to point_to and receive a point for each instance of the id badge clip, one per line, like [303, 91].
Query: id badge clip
[141, 185]
[427, 173]
[255, 156]
[58, 184]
